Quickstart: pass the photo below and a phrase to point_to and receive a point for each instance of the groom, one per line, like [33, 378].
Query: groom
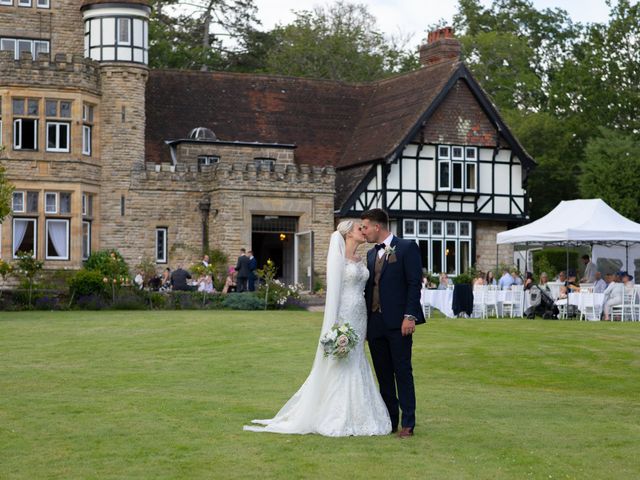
[393, 305]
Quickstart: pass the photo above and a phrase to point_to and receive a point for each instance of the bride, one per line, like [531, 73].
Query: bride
[339, 397]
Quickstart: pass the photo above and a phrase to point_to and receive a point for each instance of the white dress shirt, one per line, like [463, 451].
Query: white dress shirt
[387, 242]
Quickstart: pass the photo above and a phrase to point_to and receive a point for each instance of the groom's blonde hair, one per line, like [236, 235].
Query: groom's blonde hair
[345, 227]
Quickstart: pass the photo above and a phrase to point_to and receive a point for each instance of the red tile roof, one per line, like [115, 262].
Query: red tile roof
[332, 123]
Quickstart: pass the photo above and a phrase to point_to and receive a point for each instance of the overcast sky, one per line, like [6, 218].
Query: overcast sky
[412, 17]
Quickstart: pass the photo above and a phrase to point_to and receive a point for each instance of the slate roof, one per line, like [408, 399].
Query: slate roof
[332, 123]
[87, 3]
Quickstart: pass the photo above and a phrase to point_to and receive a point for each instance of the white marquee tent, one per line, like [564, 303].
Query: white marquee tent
[576, 222]
[582, 222]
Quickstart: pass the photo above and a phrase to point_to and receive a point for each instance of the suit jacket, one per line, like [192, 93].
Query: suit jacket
[242, 267]
[400, 283]
[253, 265]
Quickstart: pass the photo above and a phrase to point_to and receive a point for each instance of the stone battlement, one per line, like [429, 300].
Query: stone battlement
[236, 176]
[63, 71]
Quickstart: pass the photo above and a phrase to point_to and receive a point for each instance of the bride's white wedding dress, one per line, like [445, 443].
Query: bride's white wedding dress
[340, 397]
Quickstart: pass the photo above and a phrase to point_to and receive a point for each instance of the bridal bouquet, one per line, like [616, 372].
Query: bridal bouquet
[339, 341]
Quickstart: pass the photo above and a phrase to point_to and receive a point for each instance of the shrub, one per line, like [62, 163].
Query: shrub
[109, 263]
[87, 282]
[182, 300]
[158, 300]
[29, 267]
[91, 302]
[47, 302]
[129, 300]
[243, 301]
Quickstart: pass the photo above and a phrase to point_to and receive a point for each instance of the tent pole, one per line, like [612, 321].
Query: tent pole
[497, 258]
[626, 246]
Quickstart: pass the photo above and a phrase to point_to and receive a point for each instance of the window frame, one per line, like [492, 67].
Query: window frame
[409, 222]
[46, 204]
[46, 3]
[87, 254]
[35, 235]
[67, 222]
[25, 3]
[24, 205]
[165, 244]
[6, 3]
[58, 125]
[18, 134]
[86, 140]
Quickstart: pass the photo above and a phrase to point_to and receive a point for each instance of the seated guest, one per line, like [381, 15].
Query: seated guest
[570, 286]
[599, 285]
[206, 285]
[562, 277]
[479, 280]
[612, 296]
[517, 279]
[506, 280]
[179, 279]
[139, 280]
[544, 281]
[528, 280]
[165, 280]
[230, 282]
[490, 279]
[444, 281]
[427, 283]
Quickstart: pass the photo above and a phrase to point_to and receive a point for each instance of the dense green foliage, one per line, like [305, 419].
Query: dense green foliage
[6, 191]
[87, 282]
[243, 301]
[554, 260]
[110, 263]
[130, 395]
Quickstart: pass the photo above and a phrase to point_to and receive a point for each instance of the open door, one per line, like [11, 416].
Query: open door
[304, 259]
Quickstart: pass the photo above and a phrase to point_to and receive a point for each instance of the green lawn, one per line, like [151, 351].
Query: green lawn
[154, 395]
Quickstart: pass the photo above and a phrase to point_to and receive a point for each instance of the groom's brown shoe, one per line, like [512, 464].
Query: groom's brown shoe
[406, 432]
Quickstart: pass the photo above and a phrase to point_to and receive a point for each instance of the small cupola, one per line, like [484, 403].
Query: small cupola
[116, 30]
[202, 134]
[441, 46]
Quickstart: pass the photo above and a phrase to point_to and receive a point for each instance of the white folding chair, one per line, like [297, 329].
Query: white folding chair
[624, 311]
[513, 301]
[426, 306]
[636, 303]
[589, 310]
[554, 288]
[490, 301]
[478, 301]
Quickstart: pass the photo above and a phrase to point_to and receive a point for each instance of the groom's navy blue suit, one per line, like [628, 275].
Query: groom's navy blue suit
[399, 293]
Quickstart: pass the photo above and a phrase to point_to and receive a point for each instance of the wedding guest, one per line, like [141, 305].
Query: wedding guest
[179, 279]
[506, 280]
[528, 280]
[444, 281]
[165, 281]
[206, 285]
[599, 285]
[562, 277]
[479, 280]
[242, 267]
[230, 281]
[589, 270]
[517, 279]
[139, 280]
[544, 282]
[490, 279]
[612, 296]
[253, 266]
[205, 261]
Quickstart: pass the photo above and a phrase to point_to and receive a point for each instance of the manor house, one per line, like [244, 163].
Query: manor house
[165, 164]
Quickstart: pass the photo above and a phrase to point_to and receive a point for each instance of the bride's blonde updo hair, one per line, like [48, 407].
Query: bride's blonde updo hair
[345, 227]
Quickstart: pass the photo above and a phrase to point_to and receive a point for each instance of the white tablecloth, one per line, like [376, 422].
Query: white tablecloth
[443, 300]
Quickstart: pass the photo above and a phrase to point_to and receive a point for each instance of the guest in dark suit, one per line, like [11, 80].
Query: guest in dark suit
[179, 279]
[242, 267]
[393, 303]
[253, 266]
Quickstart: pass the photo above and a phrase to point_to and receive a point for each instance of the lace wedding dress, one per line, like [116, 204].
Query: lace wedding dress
[340, 396]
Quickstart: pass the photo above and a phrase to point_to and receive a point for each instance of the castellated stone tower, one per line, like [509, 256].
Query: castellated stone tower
[116, 35]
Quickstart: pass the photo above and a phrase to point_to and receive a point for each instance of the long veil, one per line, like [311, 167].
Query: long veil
[335, 272]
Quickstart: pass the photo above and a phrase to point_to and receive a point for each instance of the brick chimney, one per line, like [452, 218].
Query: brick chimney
[441, 46]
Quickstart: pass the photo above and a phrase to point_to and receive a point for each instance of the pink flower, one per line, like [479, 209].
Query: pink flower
[343, 341]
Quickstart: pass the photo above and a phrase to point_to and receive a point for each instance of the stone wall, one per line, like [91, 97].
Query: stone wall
[188, 153]
[61, 24]
[486, 232]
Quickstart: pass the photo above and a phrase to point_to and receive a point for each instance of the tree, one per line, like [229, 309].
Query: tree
[337, 42]
[6, 191]
[610, 171]
[181, 33]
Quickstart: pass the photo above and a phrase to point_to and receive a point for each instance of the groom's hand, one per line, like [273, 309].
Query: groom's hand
[408, 326]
